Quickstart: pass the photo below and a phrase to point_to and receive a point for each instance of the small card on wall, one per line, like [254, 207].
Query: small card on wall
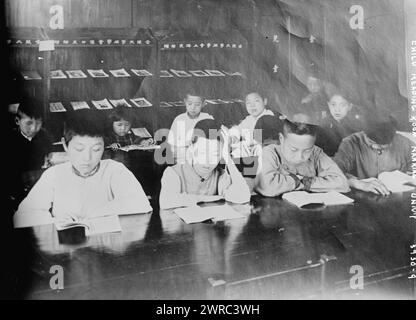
[215, 73]
[102, 104]
[78, 105]
[165, 74]
[119, 102]
[141, 102]
[57, 74]
[180, 73]
[198, 73]
[141, 72]
[165, 104]
[75, 74]
[120, 73]
[56, 107]
[100, 73]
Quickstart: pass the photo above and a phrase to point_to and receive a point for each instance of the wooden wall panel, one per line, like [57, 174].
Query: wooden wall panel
[77, 13]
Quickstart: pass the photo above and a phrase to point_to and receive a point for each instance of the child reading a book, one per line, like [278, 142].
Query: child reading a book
[121, 119]
[243, 142]
[30, 146]
[200, 179]
[297, 164]
[180, 134]
[85, 186]
[364, 155]
[343, 119]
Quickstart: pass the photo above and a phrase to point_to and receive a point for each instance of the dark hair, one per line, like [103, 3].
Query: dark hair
[270, 127]
[30, 108]
[381, 127]
[121, 112]
[299, 128]
[258, 91]
[207, 128]
[84, 123]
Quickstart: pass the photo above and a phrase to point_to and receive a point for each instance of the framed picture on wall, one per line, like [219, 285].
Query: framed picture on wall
[56, 107]
[119, 102]
[165, 74]
[198, 73]
[180, 73]
[76, 74]
[58, 74]
[120, 73]
[102, 104]
[100, 73]
[215, 73]
[141, 102]
[78, 105]
[141, 72]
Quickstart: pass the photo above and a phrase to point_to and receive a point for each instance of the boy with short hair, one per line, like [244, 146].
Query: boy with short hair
[343, 119]
[31, 143]
[200, 179]
[364, 155]
[297, 164]
[85, 186]
[180, 134]
[243, 142]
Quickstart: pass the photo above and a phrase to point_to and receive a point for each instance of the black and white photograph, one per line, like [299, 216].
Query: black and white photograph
[79, 105]
[181, 73]
[238, 155]
[198, 73]
[102, 104]
[215, 73]
[75, 74]
[97, 73]
[57, 107]
[58, 74]
[120, 73]
[141, 72]
[119, 102]
[141, 102]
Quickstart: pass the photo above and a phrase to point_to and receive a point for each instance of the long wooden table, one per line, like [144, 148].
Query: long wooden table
[277, 252]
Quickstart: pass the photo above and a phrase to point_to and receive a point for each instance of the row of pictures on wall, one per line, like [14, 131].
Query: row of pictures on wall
[106, 104]
[120, 73]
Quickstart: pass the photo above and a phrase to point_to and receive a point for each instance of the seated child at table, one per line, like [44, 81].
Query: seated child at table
[343, 119]
[200, 179]
[377, 149]
[85, 186]
[297, 164]
[30, 146]
[243, 143]
[31, 143]
[121, 119]
[180, 134]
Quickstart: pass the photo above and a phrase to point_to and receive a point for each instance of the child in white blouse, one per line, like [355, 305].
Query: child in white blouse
[84, 187]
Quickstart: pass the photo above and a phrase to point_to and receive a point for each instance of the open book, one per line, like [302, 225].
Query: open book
[92, 226]
[397, 181]
[302, 198]
[200, 214]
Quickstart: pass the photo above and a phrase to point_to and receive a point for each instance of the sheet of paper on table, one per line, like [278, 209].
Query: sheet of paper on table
[302, 198]
[106, 224]
[397, 181]
[200, 214]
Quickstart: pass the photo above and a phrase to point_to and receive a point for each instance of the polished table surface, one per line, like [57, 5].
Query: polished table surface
[272, 253]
